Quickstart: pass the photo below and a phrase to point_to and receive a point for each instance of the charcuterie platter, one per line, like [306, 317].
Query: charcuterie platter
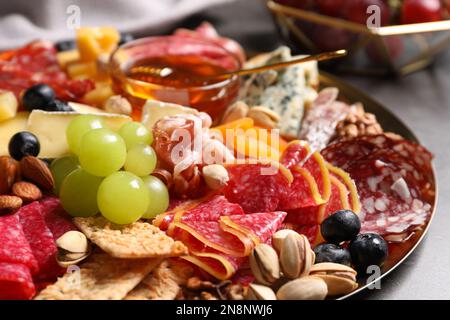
[128, 171]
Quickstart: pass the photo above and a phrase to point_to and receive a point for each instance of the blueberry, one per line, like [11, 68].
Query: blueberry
[58, 105]
[343, 225]
[23, 144]
[65, 45]
[125, 37]
[329, 252]
[38, 97]
[368, 249]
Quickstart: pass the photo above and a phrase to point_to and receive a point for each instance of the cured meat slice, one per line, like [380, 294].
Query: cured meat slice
[344, 177]
[257, 187]
[208, 210]
[56, 219]
[311, 185]
[312, 232]
[16, 282]
[41, 241]
[37, 63]
[257, 226]
[14, 246]
[198, 234]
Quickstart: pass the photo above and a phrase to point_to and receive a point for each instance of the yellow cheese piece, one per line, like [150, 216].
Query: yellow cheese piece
[99, 95]
[82, 70]
[92, 42]
[9, 128]
[67, 57]
[154, 110]
[50, 129]
[8, 105]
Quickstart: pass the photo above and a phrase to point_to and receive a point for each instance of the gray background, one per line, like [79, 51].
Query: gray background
[422, 100]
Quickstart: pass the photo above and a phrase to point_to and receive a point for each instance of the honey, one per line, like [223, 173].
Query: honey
[186, 78]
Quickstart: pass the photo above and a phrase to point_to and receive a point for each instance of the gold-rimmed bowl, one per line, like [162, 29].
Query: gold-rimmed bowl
[398, 49]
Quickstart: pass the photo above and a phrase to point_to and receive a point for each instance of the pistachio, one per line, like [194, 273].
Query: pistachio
[278, 237]
[340, 279]
[215, 175]
[117, 104]
[73, 247]
[264, 117]
[260, 292]
[296, 256]
[307, 288]
[234, 112]
[265, 264]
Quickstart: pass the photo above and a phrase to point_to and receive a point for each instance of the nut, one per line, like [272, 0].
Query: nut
[117, 104]
[260, 292]
[278, 237]
[26, 191]
[265, 264]
[306, 288]
[9, 203]
[9, 173]
[296, 256]
[215, 175]
[340, 279]
[356, 123]
[264, 117]
[73, 247]
[163, 175]
[195, 283]
[37, 172]
[235, 111]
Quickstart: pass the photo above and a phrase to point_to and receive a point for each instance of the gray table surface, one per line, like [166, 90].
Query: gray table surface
[421, 100]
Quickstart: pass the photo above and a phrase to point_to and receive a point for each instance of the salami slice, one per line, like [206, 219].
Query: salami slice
[41, 241]
[257, 187]
[258, 226]
[295, 153]
[16, 282]
[14, 246]
[312, 232]
[209, 210]
[56, 219]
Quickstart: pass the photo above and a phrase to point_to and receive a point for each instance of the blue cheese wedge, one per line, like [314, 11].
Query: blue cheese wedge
[287, 91]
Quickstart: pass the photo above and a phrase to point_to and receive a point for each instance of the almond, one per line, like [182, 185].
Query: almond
[9, 203]
[26, 191]
[9, 173]
[36, 171]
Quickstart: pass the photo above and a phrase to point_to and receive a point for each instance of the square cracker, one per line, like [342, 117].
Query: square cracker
[163, 283]
[101, 277]
[134, 241]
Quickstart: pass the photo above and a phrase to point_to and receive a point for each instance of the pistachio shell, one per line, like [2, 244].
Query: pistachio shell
[339, 278]
[306, 288]
[278, 237]
[260, 292]
[296, 256]
[264, 264]
[338, 285]
[73, 241]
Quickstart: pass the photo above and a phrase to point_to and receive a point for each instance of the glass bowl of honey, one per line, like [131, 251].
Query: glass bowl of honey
[177, 70]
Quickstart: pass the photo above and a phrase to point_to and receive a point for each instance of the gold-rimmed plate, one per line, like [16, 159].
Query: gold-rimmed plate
[398, 252]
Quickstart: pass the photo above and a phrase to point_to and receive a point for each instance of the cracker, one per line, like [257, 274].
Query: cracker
[134, 241]
[163, 283]
[101, 277]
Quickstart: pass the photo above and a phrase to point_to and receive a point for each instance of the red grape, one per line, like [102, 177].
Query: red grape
[394, 45]
[330, 38]
[356, 11]
[331, 7]
[417, 11]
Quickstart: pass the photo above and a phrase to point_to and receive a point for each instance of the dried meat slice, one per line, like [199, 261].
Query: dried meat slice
[211, 209]
[295, 153]
[257, 226]
[16, 282]
[257, 187]
[312, 232]
[14, 246]
[344, 177]
[56, 219]
[41, 241]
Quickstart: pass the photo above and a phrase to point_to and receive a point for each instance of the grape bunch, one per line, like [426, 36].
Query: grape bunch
[109, 172]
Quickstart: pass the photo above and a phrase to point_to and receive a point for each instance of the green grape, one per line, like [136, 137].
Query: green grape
[79, 193]
[60, 168]
[159, 197]
[141, 160]
[122, 197]
[78, 127]
[134, 133]
[102, 152]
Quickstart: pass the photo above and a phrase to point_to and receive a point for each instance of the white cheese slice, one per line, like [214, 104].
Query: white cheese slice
[50, 129]
[10, 127]
[84, 108]
[154, 110]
